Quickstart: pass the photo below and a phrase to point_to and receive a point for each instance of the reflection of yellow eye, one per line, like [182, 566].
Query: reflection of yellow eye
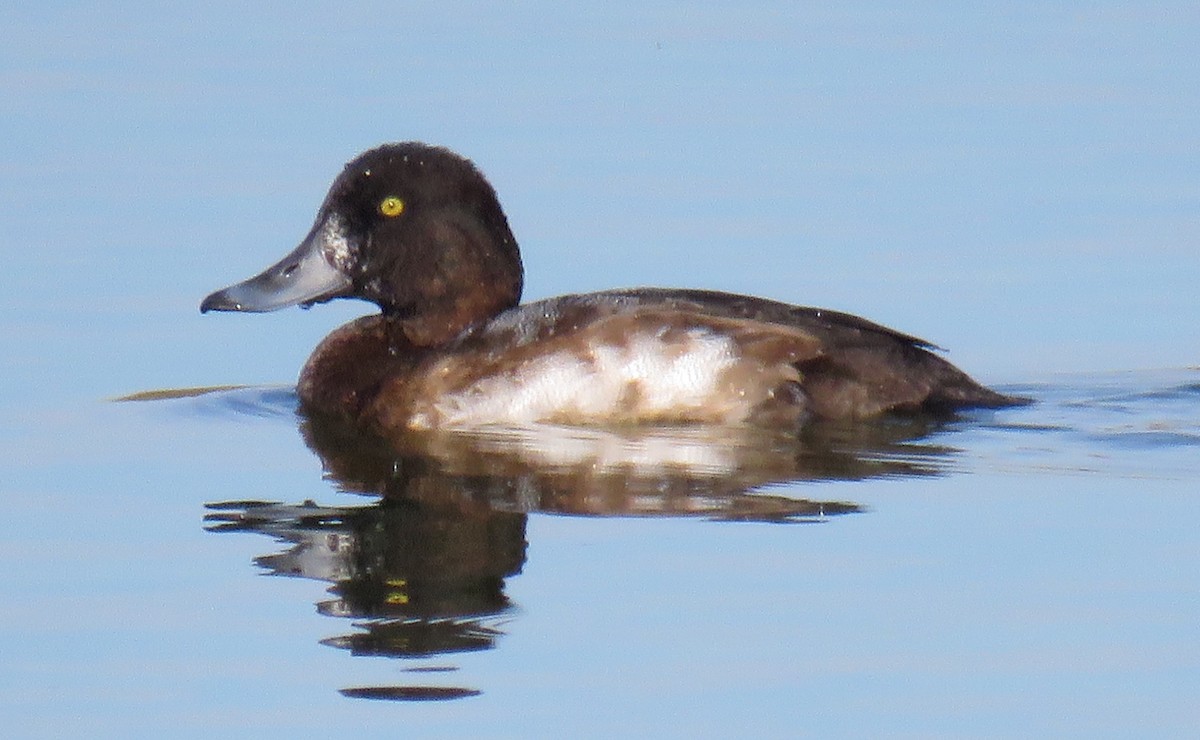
[391, 206]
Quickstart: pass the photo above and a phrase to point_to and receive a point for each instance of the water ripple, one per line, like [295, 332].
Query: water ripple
[1124, 423]
[228, 401]
[1130, 424]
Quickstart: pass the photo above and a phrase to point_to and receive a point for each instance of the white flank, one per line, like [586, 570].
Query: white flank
[665, 379]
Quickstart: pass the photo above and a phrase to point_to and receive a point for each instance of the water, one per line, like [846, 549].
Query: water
[1015, 571]
[1020, 186]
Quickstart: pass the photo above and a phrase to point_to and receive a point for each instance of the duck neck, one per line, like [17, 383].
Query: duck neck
[472, 275]
[440, 322]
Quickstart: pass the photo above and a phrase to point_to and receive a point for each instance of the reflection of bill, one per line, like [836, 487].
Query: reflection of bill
[425, 577]
[422, 570]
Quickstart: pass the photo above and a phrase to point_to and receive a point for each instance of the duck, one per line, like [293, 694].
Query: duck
[419, 231]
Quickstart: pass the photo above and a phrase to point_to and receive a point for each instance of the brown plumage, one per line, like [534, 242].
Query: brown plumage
[452, 347]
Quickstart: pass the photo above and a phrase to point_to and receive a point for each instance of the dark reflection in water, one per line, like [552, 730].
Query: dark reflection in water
[408, 693]
[421, 570]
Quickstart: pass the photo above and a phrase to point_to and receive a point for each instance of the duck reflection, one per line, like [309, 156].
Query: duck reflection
[422, 568]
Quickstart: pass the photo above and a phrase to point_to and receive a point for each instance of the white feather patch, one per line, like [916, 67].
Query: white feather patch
[644, 378]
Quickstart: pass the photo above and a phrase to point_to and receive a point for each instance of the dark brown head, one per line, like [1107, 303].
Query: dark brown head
[416, 230]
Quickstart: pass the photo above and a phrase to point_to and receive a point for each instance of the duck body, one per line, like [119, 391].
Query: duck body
[419, 231]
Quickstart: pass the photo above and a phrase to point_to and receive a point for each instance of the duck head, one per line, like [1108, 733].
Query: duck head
[417, 230]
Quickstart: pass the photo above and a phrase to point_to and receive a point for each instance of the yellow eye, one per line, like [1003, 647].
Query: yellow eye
[391, 206]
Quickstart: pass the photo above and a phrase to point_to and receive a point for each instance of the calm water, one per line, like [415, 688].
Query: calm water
[1021, 186]
[1026, 571]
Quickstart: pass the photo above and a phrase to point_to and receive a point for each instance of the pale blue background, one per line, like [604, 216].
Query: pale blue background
[1017, 182]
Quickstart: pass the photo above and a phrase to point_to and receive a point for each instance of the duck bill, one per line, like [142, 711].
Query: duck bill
[303, 277]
